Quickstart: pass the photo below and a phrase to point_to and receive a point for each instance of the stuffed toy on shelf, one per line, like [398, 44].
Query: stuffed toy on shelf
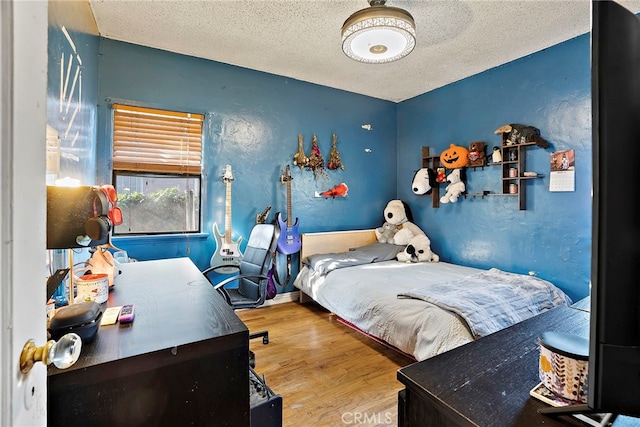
[476, 154]
[496, 156]
[517, 134]
[423, 181]
[455, 188]
[455, 157]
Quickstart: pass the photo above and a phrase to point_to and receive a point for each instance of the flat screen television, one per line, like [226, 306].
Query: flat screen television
[614, 339]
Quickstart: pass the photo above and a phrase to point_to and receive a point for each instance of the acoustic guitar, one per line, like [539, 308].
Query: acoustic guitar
[289, 241]
[226, 259]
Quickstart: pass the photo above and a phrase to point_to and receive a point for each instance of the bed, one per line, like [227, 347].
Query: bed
[421, 309]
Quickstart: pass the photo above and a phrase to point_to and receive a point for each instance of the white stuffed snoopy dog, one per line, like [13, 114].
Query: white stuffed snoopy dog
[455, 188]
[423, 181]
[398, 213]
[418, 250]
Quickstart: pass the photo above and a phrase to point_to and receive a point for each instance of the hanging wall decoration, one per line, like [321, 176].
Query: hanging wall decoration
[300, 159]
[334, 156]
[339, 190]
[316, 161]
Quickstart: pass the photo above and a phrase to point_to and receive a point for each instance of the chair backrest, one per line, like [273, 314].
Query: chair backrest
[257, 259]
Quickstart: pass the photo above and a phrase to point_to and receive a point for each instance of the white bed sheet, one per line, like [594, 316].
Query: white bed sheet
[415, 327]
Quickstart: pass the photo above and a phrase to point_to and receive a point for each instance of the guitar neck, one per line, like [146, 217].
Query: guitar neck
[227, 220]
[289, 212]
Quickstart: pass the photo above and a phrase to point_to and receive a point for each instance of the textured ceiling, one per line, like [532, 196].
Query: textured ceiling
[301, 38]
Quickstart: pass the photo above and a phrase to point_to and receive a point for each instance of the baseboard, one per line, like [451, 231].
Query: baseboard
[282, 298]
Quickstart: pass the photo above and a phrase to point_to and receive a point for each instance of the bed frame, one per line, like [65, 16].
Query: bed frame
[334, 241]
[330, 242]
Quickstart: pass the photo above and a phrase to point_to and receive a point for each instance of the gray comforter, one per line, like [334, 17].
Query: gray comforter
[491, 300]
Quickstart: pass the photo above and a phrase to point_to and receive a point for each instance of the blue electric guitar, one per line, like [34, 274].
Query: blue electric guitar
[226, 259]
[289, 241]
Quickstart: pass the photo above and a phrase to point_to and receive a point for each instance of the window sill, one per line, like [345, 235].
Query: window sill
[155, 237]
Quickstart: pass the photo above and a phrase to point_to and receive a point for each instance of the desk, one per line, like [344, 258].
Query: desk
[183, 361]
[486, 382]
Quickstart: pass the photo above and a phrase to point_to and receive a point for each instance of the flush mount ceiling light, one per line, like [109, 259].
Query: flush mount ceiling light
[379, 34]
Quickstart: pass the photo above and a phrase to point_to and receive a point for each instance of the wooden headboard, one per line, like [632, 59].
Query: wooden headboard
[334, 241]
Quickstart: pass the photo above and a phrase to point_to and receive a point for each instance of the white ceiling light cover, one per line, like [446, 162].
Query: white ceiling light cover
[378, 34]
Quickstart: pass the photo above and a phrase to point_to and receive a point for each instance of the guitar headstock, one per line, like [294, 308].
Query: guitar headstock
[262, 218]
[286, 175]
[227, 176]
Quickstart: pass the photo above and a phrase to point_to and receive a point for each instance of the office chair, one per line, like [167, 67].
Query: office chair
[253, 272]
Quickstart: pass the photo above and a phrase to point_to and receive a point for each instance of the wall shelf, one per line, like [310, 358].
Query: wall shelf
[432, 162]
[514, 183]
[513, 165]
[482, 195]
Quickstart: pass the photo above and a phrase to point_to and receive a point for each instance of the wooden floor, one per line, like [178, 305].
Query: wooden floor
[327, 373]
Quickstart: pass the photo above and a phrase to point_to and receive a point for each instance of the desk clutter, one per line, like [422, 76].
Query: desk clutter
[82, 319]
[160, 355]
[563, 365]
[266, 406]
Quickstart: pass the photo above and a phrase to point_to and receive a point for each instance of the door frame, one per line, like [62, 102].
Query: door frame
[23, 100]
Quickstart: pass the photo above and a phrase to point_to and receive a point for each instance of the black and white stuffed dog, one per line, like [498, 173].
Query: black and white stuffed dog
[423, 181]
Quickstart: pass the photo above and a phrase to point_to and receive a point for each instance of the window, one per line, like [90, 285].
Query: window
[157, 164]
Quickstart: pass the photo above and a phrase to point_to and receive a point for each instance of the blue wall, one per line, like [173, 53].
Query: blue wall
[75, 116]
[71, 96]
[252, 122]
[549, 90]
[253, 119]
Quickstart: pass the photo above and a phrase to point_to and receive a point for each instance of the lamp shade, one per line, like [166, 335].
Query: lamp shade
[379, 34]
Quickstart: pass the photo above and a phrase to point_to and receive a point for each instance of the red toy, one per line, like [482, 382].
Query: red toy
[339, 190]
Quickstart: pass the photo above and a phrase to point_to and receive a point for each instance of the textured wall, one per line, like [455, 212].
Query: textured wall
[72, 87]
[252, 122]
[549, 90]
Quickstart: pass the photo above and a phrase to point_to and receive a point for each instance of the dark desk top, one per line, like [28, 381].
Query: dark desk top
[176, 310]
[487, 382]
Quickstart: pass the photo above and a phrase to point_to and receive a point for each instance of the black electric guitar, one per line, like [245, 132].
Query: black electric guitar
[289, 241]
[226, 259]
[261, 218]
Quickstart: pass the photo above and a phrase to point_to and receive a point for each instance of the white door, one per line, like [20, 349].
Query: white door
[23, 90]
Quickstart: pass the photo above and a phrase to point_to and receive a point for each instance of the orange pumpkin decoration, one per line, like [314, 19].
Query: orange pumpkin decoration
[454, 157]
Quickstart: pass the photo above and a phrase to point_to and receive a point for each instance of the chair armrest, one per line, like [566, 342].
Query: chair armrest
[217, 267]
[237, 277]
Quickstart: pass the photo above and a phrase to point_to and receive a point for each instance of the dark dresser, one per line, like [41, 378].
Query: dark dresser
[486, 382]
[183, 361]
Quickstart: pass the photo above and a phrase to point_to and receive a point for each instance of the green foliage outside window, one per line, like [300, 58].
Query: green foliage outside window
[163, 211]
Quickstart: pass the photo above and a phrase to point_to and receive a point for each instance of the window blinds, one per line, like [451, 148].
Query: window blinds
[151, 140]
